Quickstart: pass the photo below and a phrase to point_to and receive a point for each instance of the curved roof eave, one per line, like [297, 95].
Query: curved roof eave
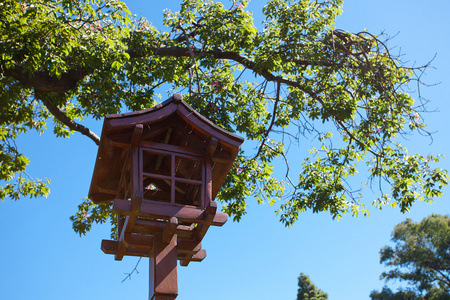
[159, 112]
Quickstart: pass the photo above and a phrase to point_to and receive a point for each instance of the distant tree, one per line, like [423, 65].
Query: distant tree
[308, 291]
[421, 257]
[388, 294]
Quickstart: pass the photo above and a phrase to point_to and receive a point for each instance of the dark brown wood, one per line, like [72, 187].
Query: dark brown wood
[137, 241]
[212, 145]
[136, 180]
[120, 128]
[107, 191]
[163, 297]
[164, 177]
[171, 148]
[153, 209]
[163, 268]
[172, 180]
[111, 247]
[122, 246]
[169, 230]
[124, 181]
[121, 251]
[162, 168]
[147, 227]
[201, 229]
[121, 122]
[136, 184]
[102, 197]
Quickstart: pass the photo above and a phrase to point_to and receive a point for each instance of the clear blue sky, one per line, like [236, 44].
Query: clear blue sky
[258, 258]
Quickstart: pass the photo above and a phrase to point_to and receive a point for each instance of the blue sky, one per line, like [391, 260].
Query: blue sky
[258, 258]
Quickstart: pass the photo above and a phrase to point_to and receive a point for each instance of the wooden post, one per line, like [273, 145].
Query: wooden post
[163, 269]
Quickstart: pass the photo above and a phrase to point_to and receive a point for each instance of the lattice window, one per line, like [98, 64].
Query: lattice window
[169, 177]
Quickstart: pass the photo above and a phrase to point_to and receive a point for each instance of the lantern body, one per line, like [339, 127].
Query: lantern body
[162, 168]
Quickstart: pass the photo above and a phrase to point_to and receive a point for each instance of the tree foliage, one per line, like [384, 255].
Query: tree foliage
[421, 257]
[388, 294]
[294, 76]
[308, 291]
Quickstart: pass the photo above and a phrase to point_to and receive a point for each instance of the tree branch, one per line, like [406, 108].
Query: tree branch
[61, 116]
[275, 106]
[443, 278]
[132, 271]
[42, 81]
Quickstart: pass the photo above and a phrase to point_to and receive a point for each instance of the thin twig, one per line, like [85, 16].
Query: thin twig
[134, 270]
[275, 105]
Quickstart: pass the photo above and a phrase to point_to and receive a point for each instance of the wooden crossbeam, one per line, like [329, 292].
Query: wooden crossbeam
[130, 243]
[212, 145]
[107, 191]
[201, 229]
[145, 242]
[171, 148]
[111, 247]
[137, 241]
[169, 230]
[122, 247]
[156, 210]
[148, 227]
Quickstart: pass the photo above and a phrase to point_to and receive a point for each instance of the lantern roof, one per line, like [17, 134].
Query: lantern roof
[173, 123]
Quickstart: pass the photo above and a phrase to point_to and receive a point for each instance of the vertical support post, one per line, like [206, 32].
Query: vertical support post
[211, 149]
[163, 281]
[172, 180]
[137, 196]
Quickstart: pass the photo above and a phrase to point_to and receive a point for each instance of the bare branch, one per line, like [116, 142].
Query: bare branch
[134, 270]
[275, 105]
[286, 161]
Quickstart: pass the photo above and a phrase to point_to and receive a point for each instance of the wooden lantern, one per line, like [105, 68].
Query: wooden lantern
[162, 168]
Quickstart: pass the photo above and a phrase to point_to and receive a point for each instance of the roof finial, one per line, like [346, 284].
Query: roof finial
[177, 97]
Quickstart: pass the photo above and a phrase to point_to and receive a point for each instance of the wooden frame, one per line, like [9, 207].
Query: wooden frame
[162, 168]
